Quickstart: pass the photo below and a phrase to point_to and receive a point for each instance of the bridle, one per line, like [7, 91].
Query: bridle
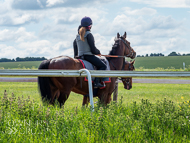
[130, 54]
[123, 66]
[130, 49]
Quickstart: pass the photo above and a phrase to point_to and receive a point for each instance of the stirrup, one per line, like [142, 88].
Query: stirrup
[98, 85]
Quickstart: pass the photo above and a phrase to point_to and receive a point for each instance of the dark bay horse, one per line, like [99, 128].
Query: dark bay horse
[127, 82]
[59, 88]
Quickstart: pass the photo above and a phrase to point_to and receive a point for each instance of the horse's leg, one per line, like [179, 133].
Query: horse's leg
[104, 97]
[55, 94]
[86, 101]
[108, 98]
[63, 97]
[64, 86]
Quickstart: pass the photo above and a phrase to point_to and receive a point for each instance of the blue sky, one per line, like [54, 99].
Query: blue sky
[47, 28]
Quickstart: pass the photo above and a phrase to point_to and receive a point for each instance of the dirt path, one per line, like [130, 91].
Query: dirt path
[17, 79]
[169, 81]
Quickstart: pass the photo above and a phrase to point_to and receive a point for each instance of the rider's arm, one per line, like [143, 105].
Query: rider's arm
[91, 43]
[75, 48]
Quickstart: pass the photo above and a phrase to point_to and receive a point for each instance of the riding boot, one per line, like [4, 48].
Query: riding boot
[97, 83]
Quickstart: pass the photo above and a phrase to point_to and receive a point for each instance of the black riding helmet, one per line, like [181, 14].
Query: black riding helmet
[86, 21]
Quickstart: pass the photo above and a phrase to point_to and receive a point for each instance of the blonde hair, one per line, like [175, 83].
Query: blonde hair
[82, 32]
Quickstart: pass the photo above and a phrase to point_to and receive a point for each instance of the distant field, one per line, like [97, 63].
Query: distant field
[162, 62]
[22, 65]
[145, 62]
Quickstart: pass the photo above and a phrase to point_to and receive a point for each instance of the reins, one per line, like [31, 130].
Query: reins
[113, 56]
[122, 65]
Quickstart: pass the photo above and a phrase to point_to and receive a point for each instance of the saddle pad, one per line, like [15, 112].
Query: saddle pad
[89, 66]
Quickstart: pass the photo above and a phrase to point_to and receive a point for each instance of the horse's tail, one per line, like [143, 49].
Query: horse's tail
[44, 83]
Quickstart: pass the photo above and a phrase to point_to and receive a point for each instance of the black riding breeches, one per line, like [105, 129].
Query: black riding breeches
[95, 61]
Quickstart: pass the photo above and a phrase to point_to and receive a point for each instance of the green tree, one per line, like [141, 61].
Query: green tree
[173, 54]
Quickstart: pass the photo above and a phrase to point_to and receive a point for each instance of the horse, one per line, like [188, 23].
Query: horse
[127, 82]
[59, 88]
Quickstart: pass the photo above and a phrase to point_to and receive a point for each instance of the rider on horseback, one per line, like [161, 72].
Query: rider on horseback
[84, 47]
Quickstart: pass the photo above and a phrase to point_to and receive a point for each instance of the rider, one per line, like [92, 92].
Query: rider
[84, 46]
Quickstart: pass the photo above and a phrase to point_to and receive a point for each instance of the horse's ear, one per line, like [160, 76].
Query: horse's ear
[133, 62]
[118, 35]
[125, 35]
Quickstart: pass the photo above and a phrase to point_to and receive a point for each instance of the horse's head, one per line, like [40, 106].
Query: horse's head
[127, 81]
[128, 50]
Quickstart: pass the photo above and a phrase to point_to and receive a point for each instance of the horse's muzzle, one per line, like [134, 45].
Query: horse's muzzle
[134, 55]
[128, 86]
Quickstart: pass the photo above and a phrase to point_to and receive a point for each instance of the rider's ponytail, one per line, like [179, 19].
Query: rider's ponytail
[82, 32]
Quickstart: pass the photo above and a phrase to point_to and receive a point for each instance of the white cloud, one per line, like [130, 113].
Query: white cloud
[55, 22]
[40, 4]
[45, 4]
[165, 46]
[165, 3]
[19, 18]
[8, 51]
[19, 35]
[62, 46]
[50, 3]
[140, 12]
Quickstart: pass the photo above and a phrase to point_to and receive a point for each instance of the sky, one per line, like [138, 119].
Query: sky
[47, 28]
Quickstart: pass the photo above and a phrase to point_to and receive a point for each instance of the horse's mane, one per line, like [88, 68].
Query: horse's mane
[114, 47]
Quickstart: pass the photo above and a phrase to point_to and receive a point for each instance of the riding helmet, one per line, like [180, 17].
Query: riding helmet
[86, 21]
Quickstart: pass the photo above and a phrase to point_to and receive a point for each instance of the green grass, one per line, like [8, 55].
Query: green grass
[168, 62]
[141, 63]
[146, 113]
[20, 65]
[153, 92]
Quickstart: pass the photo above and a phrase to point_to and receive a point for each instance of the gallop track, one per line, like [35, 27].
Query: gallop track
[167, 81]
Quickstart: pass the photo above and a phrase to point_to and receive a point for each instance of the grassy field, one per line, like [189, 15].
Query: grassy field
[146, 113]
[167, 62]
[20, 65]
[153, 92]
[158, 63]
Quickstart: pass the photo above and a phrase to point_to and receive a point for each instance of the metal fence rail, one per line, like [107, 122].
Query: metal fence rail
[103, 73]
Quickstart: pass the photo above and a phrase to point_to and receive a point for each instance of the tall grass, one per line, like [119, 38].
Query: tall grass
[23, 120]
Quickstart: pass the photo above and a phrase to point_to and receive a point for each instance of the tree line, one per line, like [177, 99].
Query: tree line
[160, 54]
[23, 59]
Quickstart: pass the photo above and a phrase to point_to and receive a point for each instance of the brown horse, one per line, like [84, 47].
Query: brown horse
[127, 82]
[59, 88]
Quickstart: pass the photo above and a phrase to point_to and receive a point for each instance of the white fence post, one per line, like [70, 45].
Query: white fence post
[89, 86]
[184, 66]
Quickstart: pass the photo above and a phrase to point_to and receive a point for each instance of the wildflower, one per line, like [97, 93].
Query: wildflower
[5, 92]
[187, 101]
[182, 97]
